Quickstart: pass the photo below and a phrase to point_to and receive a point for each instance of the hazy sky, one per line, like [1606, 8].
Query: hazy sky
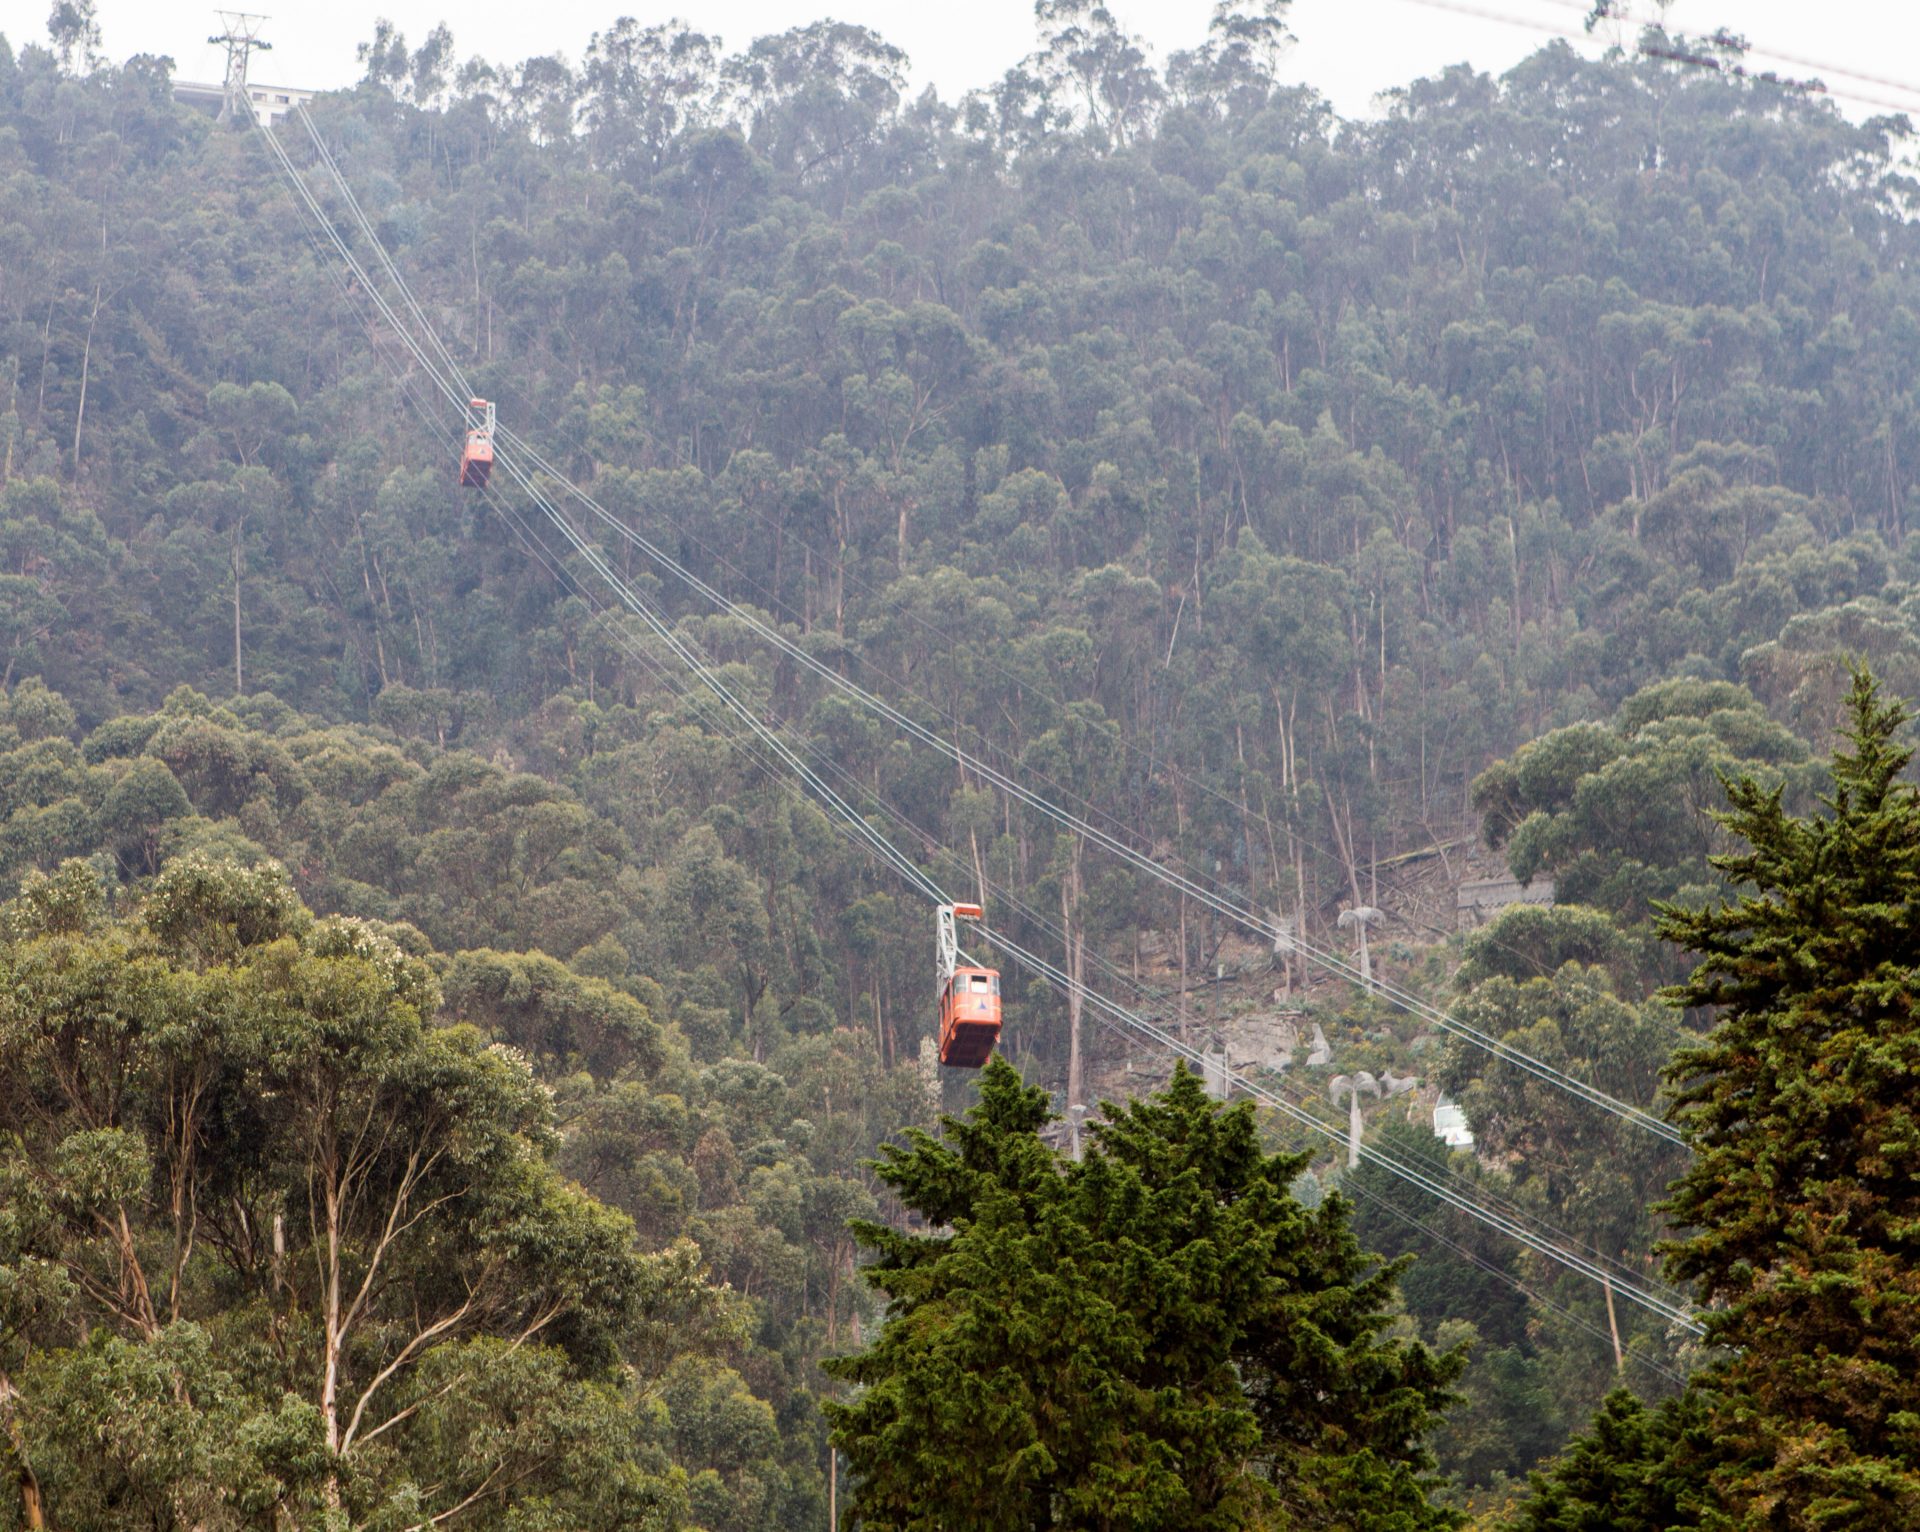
[1349, 49]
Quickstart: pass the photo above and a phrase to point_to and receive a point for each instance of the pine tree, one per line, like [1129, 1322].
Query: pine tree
[1630, 1473]
[1803, 1105]
[1160, 1336]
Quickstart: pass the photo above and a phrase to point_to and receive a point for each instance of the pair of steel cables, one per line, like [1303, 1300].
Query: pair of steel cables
[526, 467]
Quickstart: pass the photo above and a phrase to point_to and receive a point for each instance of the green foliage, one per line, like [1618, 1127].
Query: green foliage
[1531, 941]
[1625, 1474]
[1259, 478]
[1465, 1287]
[1159, 1335]
[1623, 815]
[1799, 1204]
[290, 1249]
[1349, 485]
[559, 1018]
[1795, 1213]
[759, 1165]
[1571, 1021]
[1581, 1171]
[207, 912]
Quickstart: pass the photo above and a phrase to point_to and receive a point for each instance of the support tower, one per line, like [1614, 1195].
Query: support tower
[241, 38]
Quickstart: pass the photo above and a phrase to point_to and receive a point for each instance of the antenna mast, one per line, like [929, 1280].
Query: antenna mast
[241, 40]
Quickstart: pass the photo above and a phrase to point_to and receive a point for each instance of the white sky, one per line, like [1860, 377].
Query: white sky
[1349, 49]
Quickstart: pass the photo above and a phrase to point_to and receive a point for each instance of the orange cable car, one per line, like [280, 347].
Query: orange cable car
[476, 459]
[969, 996]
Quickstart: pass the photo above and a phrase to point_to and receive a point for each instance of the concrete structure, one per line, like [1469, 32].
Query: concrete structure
[1353, 1086]
[1450, 1125]
[1359, 918]
[1480, 899]
[1264, 1040]
[271, 102]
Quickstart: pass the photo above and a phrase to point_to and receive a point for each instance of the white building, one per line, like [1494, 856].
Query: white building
[273, 102]
[1450, 1125]
[270, 102]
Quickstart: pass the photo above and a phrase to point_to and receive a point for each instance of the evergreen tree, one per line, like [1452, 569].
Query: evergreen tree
[1802, 1198]
[1629, 1474]
[1158, 1336]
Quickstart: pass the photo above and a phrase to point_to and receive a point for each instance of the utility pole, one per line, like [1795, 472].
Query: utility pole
[241, 39]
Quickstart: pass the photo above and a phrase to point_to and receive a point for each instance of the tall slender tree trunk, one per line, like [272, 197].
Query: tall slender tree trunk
[1299, 891]
[840, 567]
[239, 677]
[779, 556]
[1613, 1325]
[13, 408]
[46, 352]
[332, 1344]
[32, 1509]
[86, 368]
[1246, 817]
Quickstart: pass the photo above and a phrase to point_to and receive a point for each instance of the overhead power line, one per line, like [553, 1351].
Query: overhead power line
[451, 382]
[1207, 897]
[1762, 50]
[1688, 57]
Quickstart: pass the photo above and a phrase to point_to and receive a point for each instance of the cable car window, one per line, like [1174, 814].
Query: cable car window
[980, 982]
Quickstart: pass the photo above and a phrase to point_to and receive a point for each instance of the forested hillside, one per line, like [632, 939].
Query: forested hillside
[1301, 500]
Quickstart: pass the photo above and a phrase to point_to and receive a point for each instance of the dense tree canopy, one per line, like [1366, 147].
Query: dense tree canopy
[276, 1244]
[1093, 370]
[1795, 1212]
[1800, 1201]
[748, 1170]
[1159, 1335]
[1297, 497]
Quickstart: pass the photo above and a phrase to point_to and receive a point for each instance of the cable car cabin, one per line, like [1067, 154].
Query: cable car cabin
[969, 1017]
[476, 462]
[476, 459]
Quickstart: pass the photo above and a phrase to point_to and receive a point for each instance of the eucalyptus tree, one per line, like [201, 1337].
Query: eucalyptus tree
[293, 1250]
